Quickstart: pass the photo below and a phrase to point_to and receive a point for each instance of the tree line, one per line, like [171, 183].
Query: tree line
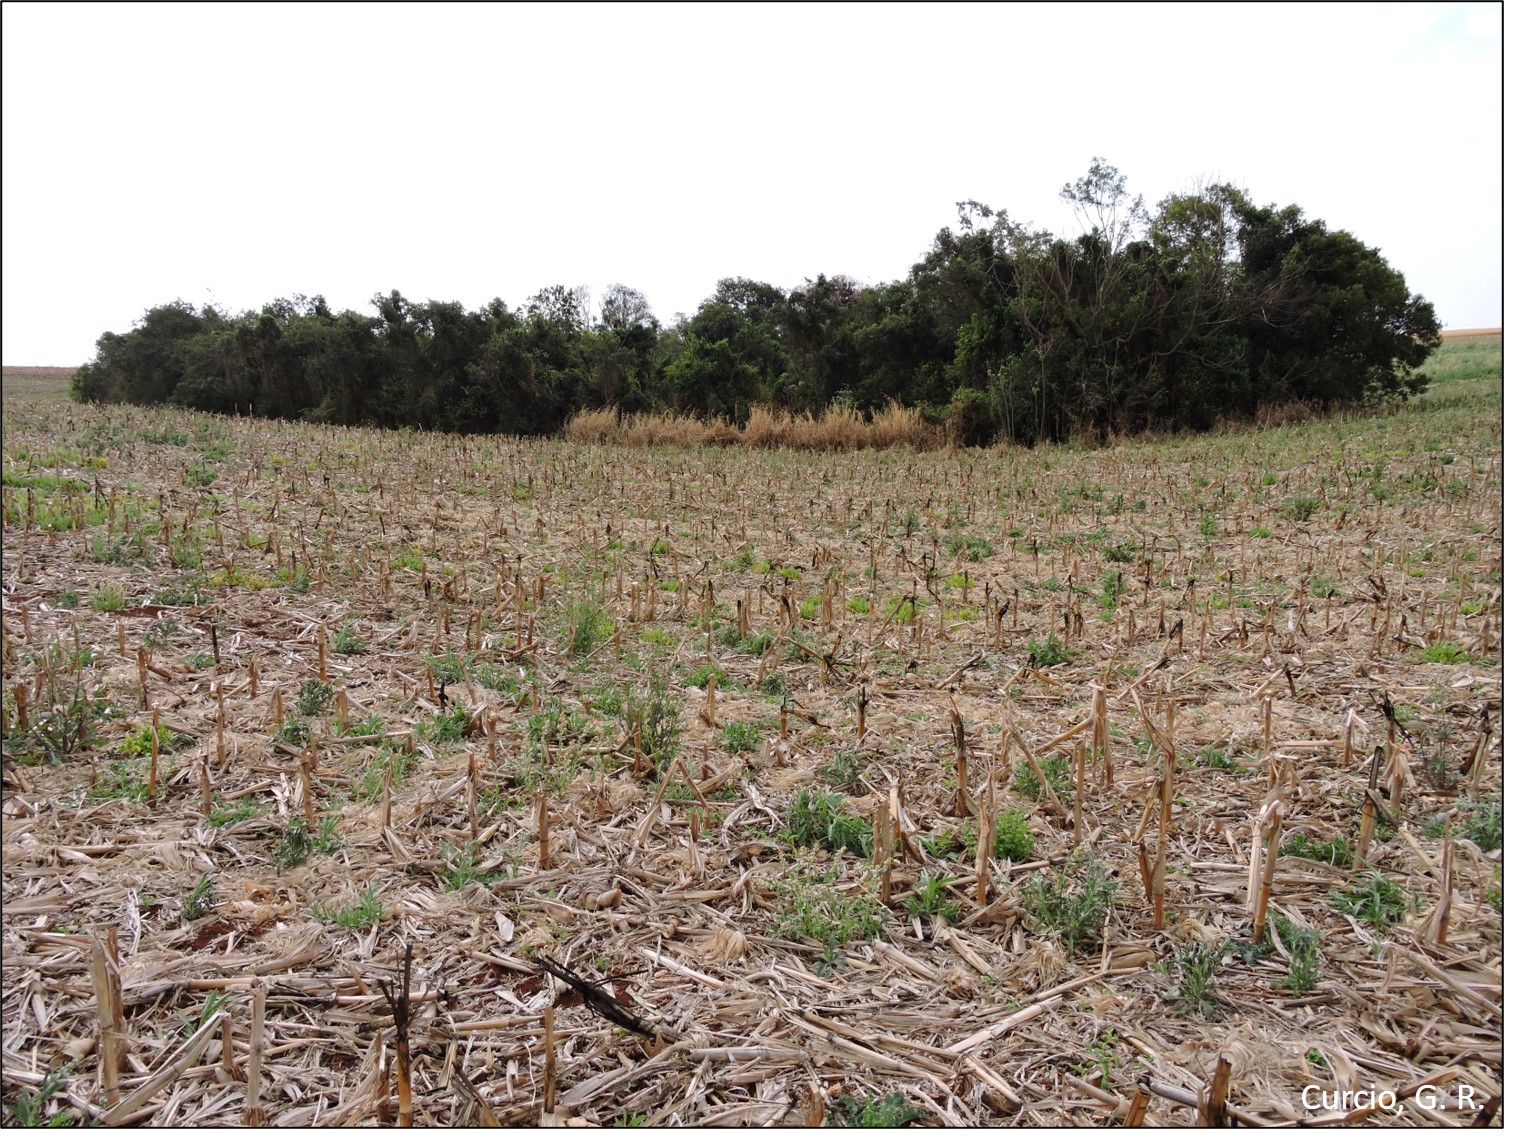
[1152, 318]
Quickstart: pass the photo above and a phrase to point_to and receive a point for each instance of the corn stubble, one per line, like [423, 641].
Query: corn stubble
[884, 729]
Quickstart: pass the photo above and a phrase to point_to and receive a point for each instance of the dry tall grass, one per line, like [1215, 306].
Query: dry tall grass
[837, 430]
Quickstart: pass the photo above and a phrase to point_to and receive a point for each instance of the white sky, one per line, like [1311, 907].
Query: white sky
[464, 153]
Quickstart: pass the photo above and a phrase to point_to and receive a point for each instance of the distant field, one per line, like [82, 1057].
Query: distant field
[45, 381]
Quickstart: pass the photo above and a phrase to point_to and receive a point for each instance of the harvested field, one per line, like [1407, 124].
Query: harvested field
[1038, 787]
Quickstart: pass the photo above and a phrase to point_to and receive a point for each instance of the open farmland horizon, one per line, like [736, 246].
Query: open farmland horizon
[1017, 786]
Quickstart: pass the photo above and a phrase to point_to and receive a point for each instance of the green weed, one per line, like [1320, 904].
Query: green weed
[1012, 839]
[809, 906]
[1074, 907]
[1048, 652]
[366, 912]
[890, 1110]
[740, 737]
[816, 817]
[199, 900]
[1191, 972]
[1373, 898]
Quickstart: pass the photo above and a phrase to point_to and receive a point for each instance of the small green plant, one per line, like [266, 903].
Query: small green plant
[109, 598]
[931, 898]
[187, 592]
[312, 698]
[366, 727]
[139, 743]
[348, 641]
[161, 632]
[30, 1108]
[891, 1110]
[844, 772]
[589, 625]
[816, 817]
[1048, 652]
[214, 1002]
[1445, 653]
[328, 839]
[366, 912]
[1261, 533]
[1124, 552]
[1299, 945]
[1323, 587]
[1373, 898]
[1027, 782]
[774, 685]
[1300, 509]
[66, 715]
[199, 900]
[757, 642]
[952, 841]
[1212, 758]
[810, 906]
[295, 731]
[68, 598]
[629, 1118]
[1317, 1058]
[975, 549]
[498, 678]
[858, 605]
[448, 725]
[1336, 851]
[449, 667]
[1012, 839]
[243, 809]
[372, 778]
[294, 847]
[659, 547]
[121, 781]
[708, 673]
[740, 737]
[652, 714]
[460, 870]
[1191, 972]
[185, 554]
[1485, 825]
[1104, 1053]
[961, 579]
[1209, 526]
[1074, 907]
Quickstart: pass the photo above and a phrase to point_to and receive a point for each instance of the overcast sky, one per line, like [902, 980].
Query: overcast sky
[239, 154]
